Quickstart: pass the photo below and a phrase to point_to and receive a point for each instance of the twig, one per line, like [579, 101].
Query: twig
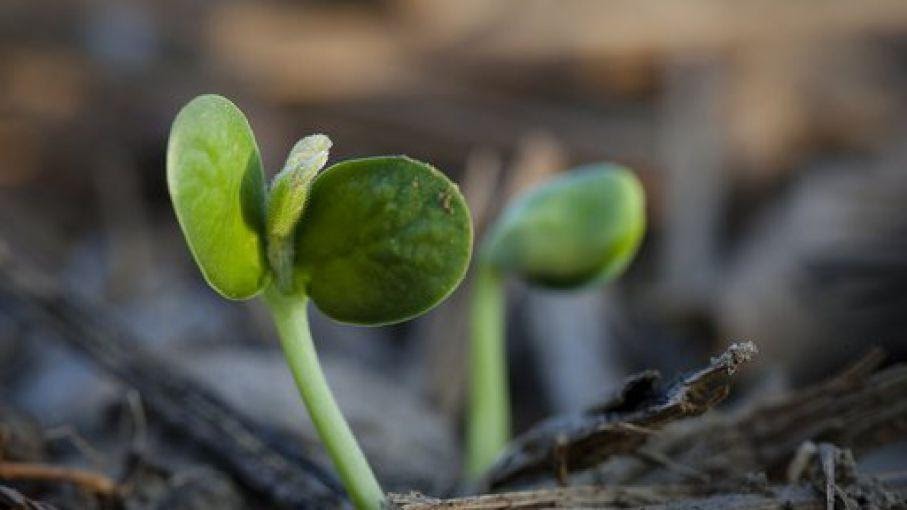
[827, 456]
[139, 424]
[666, 462]
[569, 497]
[800, 462]
[857, 410]
[14, 500]
[662, 497]
[619, 426]
[94, 482]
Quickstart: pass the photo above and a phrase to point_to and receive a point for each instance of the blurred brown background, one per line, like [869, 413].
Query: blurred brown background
[770, 136]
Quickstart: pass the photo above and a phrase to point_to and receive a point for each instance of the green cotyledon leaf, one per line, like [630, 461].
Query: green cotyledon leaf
[382, 240]
[581, 228]
[217, 187]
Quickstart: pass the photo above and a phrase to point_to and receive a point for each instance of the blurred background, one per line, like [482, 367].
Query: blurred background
[770, 137]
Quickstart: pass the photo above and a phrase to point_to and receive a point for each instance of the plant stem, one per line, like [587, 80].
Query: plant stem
[291, 318]
[489, 415]
[280, 256]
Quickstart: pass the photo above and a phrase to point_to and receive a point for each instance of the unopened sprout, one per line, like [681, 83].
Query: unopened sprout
[578, 230]
[370, 241]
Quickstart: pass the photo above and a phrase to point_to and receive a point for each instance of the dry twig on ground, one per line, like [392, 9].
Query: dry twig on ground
[572, 443]
[12, 499]
[30, 471]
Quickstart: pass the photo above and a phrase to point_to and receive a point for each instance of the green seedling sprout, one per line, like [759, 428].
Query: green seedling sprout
[370, 241]
[579, 230]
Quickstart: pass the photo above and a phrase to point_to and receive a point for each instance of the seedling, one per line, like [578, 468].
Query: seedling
[581, 229]
[371, 241]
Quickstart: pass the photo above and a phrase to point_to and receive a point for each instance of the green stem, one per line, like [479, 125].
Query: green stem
[291, 318]
[488, 428]
[280, 257]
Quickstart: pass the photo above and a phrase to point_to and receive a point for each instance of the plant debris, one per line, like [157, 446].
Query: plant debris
[573, 443]
[794, 452]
